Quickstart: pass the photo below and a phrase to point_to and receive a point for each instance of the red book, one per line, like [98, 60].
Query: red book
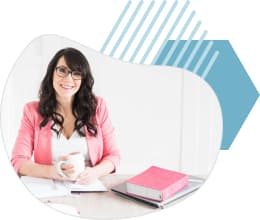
[156, 183]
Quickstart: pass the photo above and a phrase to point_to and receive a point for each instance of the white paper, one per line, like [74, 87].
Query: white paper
[95, 187]
[44, 188]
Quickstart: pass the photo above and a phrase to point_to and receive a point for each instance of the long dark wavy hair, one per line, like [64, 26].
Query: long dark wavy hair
[84, 103]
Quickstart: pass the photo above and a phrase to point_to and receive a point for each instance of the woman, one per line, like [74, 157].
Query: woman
[68, 118]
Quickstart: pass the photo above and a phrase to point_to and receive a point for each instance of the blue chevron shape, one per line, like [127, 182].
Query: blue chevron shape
[227, 76]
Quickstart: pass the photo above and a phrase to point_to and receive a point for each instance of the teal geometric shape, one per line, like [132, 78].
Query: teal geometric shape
[234, 88]
[228, 78]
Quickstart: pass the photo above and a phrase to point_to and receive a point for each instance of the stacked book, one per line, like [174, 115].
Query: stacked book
[158, 186]
[156, 183]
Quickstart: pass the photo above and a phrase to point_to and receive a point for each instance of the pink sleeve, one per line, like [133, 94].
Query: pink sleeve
[23, 147]
[110, 149]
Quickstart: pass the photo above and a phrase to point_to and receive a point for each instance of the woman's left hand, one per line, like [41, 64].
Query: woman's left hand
[89, 175]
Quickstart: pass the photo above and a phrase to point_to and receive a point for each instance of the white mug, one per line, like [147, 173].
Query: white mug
[78, 162]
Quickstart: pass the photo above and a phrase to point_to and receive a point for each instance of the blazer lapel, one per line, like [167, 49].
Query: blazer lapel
[93, 147]
[43, 150]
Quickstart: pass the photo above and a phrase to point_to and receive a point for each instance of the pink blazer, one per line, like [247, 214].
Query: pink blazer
[33, 140]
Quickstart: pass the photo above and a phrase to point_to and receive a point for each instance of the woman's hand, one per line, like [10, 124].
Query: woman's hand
[89, 175]
[67, 169]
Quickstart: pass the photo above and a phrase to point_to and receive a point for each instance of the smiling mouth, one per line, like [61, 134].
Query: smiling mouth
[66, 86]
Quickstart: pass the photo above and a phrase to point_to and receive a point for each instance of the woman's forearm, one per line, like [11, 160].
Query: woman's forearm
[103, 168]
[29, 168]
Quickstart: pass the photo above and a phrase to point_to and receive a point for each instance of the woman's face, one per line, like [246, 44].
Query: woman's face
[65, 86]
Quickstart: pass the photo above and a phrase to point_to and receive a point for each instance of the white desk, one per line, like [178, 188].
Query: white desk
[105, 205]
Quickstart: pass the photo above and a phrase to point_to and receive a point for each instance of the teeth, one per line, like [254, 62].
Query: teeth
[66, 87]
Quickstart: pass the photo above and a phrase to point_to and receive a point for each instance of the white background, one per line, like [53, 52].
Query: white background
[232, 190]
[186, 108]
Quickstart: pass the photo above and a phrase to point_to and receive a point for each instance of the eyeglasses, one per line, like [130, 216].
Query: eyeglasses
[63, 72]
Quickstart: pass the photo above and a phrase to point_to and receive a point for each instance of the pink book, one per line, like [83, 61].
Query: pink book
[156, 183]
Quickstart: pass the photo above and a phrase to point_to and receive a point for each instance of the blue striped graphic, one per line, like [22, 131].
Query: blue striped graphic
[210, 64]
[136, 30]
[159, 32]
[187, 44]
[215, 61]
[194, 51]
[203, 61]
[138, 7]
[171, 52]
[171, 31]
[196, 68]
[148, 30]
[168, 44]
[115, 26]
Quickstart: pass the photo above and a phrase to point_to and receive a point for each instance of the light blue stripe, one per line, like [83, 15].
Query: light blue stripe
[171, 31]
[136, 30]
[115, 26]
[193, 53]
[159, 31]
[147, 31]
[138, 7]
[176, 42]
[210, 64]
[187, 44]
[203, 56]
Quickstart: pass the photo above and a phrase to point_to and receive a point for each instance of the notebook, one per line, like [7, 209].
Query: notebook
[43, 188]
[194, 184]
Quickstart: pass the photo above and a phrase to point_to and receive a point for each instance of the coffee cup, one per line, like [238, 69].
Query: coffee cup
[78, 162]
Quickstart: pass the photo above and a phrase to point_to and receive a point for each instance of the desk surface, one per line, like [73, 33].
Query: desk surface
[105, 205]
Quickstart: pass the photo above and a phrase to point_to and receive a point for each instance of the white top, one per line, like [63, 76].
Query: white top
[61, 146]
